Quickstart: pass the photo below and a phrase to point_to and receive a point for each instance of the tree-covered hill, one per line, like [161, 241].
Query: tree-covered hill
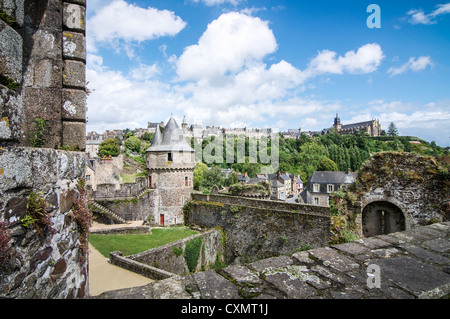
[332, 151]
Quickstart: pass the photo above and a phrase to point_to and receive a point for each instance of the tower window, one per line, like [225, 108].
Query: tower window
[170, 157]
[186, 181]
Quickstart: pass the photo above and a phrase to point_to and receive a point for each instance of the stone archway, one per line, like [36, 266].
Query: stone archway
[381, 217]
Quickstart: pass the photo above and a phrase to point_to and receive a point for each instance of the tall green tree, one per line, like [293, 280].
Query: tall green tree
[327, 165]
[392, 130]
[109, 147]
[133, 144]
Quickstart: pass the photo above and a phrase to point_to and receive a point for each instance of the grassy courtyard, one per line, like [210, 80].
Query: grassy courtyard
[136, 243]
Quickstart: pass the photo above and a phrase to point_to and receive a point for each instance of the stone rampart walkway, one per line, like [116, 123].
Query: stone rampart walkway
[405, 265]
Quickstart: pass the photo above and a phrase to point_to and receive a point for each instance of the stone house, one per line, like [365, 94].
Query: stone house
[321, 185]
[170, 165]
[296, 184]
[278, 190]
[285, 179]
[104, 171]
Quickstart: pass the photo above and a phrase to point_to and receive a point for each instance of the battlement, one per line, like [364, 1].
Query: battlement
[110, 192]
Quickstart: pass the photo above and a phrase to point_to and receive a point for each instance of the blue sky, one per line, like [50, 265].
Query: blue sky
[280, 64]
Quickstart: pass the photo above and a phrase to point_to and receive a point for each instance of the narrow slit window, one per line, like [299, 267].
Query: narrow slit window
[170, 157]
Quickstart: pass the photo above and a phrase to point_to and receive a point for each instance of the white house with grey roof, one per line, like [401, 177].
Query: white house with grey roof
[170, 164]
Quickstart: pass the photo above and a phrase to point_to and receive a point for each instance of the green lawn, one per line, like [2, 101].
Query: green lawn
[136, 243]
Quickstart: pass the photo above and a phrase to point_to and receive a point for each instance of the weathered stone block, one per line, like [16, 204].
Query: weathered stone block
[13, 8]
[73, 104]
[74, 133]
[15, 209]
[352, 248]
[52, 133]
[44, 103]
[42, 43]
[43, 73]
[291, 287]
[74, 74]
[11, 114]
[80, 2]
[440, 244]
[335, 260]
[418, 278]
[214, 286]
[426, 255]
[43, 14]
[74, 45]
[74, 17]
[10, 53]
[269, 263]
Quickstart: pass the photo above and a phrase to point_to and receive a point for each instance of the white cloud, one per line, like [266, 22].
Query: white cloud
[145, 72]
[122, 101]
[229, 43]
[365, 60]
[418, 16]
[217, 2]
[120, 20]
[413, 64]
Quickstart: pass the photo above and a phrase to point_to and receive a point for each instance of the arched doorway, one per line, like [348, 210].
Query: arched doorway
[380, 218]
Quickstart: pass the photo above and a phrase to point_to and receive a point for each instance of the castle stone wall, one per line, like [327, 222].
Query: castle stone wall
[34, 84]
[172, 258]
[255, 231]
[53, 265]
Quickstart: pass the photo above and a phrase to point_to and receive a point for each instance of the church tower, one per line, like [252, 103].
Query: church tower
[170, 166]
[337, 123]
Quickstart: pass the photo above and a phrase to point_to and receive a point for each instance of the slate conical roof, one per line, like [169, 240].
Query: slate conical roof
[171, 139]
[157, 137]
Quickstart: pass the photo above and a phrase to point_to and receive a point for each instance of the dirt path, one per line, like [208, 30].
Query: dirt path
[104, 277]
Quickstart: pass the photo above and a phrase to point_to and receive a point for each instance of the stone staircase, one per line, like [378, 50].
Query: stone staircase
[134, 163]
[109, 212]
[142, 193]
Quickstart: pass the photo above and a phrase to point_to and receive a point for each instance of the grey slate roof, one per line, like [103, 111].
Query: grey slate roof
[355, 125]
[170, 140]
[333, 177]
[276, 184]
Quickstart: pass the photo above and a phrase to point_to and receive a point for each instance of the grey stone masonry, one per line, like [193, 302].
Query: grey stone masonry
[413, 265]
[11, 53]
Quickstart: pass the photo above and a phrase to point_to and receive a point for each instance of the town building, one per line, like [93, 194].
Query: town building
[283, 186]
[321, 185]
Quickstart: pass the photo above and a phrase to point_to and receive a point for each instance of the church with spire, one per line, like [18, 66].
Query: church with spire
[373, 128]
[170, 163]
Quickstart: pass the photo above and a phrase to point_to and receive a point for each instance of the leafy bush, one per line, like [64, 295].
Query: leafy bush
[133, 144]
[192, 252]
[36, 215]
[110, 147]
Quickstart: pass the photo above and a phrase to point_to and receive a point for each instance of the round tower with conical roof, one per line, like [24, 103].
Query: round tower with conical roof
[170, 166]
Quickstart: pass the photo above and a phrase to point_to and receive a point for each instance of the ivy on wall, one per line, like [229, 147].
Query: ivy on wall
[192, 252]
